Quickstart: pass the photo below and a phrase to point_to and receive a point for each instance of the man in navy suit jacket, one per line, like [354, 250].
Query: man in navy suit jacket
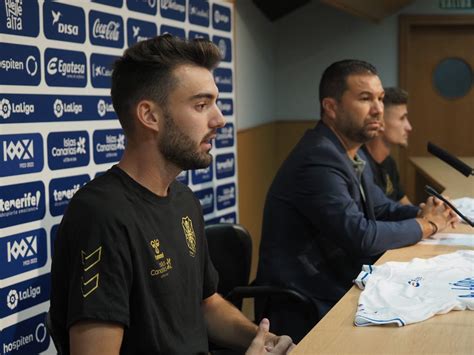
[324, 217]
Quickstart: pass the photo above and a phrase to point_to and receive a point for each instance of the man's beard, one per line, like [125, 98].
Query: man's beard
[355, 133]
[179, 149]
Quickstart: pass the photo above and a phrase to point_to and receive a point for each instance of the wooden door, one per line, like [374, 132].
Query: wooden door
[425, 41]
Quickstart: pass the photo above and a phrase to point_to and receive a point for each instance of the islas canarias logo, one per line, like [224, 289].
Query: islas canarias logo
[188, 229]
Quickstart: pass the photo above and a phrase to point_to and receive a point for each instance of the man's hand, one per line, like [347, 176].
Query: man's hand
[268, 343]
[435, 216]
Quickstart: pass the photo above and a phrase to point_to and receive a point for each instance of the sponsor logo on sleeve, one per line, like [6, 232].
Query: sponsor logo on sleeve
[225, 165]
[225, 136]
[173, 9]
[206, 198]
[225, 196]
[225, 47]
[68, 149]
[19, 65]
[19, 17]
[64, 22]
[65, 68]
[174, 31]
[109, 145]
[226, 106]
[198, 12]
[105, 29]
[21, 203]
[223, 79]
[221, 17]
[195, 35]
[22, 252]
[27, 337]
[138, 30]
[21, 154]
[183, 177]
[227, 218]
[200, 176]
[62, 190]
[114, 3]
[143, 6]
[101, 70]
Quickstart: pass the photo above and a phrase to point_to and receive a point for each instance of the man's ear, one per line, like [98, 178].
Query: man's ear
[148, 114]
[330, 107]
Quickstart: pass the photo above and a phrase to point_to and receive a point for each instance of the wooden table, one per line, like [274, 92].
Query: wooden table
[451, 333]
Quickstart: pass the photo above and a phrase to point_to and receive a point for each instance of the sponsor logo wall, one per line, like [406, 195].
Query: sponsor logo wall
[58, 130]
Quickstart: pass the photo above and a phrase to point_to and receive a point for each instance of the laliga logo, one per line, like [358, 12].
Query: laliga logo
[103, 108]
[218, 17]
[58, 108]
[109, 31]
[12, 299]
[5, 108]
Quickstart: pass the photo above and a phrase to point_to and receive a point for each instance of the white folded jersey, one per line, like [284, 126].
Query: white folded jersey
[410, 292]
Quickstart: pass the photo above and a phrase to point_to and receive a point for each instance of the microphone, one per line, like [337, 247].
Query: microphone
[430, 191]
[450, 159]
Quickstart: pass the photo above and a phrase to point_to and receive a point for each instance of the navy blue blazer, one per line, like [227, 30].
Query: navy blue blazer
[317, 229]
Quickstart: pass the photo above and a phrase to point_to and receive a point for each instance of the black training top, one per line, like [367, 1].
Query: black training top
[386, 176]
[125, 255]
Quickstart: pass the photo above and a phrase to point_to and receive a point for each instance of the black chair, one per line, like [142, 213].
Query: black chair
[230, 249]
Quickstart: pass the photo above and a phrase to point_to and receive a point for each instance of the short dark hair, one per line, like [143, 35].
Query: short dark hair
[334, 79]
[395, 96]
[145, 71]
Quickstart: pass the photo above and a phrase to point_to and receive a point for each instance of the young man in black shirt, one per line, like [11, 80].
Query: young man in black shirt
[131, 272]
[395, 132]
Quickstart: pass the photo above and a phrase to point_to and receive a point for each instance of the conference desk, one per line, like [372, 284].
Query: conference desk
[451, 333]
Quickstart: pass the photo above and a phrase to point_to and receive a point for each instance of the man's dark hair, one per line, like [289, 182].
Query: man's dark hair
[395, 96]
[334, 79]
[145, 71]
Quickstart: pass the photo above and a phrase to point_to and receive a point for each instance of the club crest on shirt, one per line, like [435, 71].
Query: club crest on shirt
[188, 229]
[164, 263]
[389, 184]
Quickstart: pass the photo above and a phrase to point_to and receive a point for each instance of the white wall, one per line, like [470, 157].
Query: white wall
[279, 64]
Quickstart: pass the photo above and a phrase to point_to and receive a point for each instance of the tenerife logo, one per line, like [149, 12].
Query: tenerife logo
[225, 196]
[21, 154]
[64, 22]
[206, 198]
[227, 218]
[65, 68]
[101, 70]
[226, 106]
[21, 203]
[143, 6]
[20, 17]
[60, 108]
[22, 252]
[200, 176]
[225, 136]
[26, 337]
[225, 47]
[19, 65]
[105, 29]
[183, 177]
[68, 149]
[199, 12]
[109, 145]
[195, 35]
[223, 78]
[139, 31]
[24, 295]
[221, 17]
[174, 31]
[225, 165]
[62, 190]
[173, 9]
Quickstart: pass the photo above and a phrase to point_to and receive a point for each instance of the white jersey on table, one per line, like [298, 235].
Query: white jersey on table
[410, 292]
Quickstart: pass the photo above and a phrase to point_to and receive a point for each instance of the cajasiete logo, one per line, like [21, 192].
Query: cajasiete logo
[221, 17]
[198, 12]
[105, 29]
[26, 337]
[21, 153]
[64, 22]
[19, 64]
[19, 17]
[101, 70]
[173, 9]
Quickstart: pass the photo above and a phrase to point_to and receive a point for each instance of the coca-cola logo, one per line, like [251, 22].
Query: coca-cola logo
[108, 31]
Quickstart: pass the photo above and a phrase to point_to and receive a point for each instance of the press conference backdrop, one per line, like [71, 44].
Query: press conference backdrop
[58, 130]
